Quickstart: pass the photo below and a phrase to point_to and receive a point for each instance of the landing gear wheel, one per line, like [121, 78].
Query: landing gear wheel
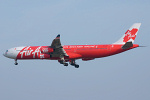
[61, 62]
[76, 66]
[65, 64]
[16, 63]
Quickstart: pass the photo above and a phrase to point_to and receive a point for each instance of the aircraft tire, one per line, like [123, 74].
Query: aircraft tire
[76, 66]
[65, 64]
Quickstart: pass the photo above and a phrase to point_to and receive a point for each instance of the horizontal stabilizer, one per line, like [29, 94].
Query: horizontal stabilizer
[127, 45]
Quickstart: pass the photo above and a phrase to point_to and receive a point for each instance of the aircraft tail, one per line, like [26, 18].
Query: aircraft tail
[130, 34]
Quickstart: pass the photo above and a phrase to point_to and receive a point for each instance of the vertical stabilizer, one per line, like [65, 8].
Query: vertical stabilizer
[130, 34]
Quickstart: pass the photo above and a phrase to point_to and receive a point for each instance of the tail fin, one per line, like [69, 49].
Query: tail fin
[130, 34]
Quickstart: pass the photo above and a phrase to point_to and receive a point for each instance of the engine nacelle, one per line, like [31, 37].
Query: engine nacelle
[46, 50]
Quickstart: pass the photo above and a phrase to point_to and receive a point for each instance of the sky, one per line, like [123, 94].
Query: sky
[123, 76]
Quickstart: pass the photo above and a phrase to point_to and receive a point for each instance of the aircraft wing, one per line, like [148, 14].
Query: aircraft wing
[58, 48]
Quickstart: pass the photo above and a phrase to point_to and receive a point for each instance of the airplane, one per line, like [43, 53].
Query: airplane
[71, 53]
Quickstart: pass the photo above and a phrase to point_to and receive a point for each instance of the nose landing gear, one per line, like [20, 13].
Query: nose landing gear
[16, 62]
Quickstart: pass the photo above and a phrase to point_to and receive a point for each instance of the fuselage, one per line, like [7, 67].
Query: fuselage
[70, 53]
[84, 52]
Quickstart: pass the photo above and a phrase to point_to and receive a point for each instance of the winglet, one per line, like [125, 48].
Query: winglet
[58, 36]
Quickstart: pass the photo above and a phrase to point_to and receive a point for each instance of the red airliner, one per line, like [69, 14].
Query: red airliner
[70, 53]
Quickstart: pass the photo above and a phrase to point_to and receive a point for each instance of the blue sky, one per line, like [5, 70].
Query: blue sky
[37, 22]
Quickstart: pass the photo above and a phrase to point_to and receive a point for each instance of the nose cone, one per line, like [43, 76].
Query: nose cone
[11, 53]
[5, 53]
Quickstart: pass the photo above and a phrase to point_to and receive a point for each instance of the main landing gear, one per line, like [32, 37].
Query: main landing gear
[16, 62]
[62, 61]
[71, 62]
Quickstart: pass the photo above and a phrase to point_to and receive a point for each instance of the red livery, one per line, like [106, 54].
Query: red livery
[70, 53]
